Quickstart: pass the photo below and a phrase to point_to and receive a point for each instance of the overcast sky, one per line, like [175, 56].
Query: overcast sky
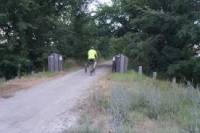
[94, 5]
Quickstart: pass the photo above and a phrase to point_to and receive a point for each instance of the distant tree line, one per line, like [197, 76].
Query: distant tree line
[160, 35]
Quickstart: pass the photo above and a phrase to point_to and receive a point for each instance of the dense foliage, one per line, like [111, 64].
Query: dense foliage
[31, 29]
[160, 35]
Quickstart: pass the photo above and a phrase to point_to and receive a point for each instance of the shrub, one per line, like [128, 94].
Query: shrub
[186, 70]
[157, 100]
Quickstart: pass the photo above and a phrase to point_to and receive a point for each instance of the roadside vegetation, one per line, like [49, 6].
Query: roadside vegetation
[139, 104]
[9, 87]
[160, 35]
[31, 30]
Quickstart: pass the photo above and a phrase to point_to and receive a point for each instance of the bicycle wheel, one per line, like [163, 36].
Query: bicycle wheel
[92, 69]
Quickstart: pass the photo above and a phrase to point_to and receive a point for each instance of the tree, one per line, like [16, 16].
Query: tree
[31, 29]
[157, 34]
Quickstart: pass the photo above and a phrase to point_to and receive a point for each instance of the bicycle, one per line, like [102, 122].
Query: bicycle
[91, 65]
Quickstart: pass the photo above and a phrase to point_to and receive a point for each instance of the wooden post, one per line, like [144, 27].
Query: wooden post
[154, 75]
[140, 70]
[32, 72]
[126, 64]
[114, 64]
[60, 63]
[19, 71]
[174, 80]
[56, 62]
[50, 63]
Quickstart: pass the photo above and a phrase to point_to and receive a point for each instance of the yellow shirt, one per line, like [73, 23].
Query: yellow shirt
[92, 54]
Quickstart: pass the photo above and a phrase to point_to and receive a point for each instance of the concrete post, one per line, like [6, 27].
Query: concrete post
[174, 80]
[154, 75]
[140, 70]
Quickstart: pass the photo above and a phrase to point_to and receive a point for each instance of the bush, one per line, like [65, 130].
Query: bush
[8, 69]
[186, 70]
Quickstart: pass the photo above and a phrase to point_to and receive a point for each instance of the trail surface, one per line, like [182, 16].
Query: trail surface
[47, 108]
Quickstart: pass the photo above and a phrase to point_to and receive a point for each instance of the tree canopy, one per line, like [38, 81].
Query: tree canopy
[160, 35]
[31, 29]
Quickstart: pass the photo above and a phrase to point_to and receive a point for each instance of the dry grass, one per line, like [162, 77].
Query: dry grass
[130, 103]
[9, 88]
[145, 105]
[138, 104]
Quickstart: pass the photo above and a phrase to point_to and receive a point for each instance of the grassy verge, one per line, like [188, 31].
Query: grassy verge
[9, 88]
[140, 104]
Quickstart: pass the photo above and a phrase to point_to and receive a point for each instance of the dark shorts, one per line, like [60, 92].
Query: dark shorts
[91, 61]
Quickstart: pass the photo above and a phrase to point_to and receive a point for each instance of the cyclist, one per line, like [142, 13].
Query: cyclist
[92, 58]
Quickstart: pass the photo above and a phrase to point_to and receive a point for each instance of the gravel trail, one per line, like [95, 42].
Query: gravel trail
[47, 107]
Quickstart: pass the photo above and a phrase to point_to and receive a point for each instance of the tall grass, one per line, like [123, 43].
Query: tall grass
[157, 100]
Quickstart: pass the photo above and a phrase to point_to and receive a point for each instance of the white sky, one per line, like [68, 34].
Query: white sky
[94, 4]
[105, 1]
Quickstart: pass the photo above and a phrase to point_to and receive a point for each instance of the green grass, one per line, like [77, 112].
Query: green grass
[2, 82]
[134, 98]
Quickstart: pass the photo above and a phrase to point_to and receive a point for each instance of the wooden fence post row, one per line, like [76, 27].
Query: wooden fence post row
[155, 75]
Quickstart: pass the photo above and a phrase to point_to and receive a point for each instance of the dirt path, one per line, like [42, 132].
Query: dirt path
[47, 108]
